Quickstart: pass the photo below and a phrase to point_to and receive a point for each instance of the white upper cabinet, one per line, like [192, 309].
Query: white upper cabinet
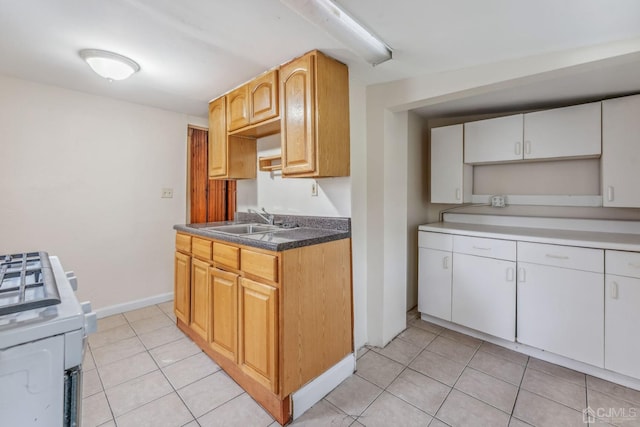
[563, 132]
[450, 177]
[551, 134]
[493, 140]
[621, 152]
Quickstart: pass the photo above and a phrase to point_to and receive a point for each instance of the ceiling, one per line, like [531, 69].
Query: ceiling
[192, 51]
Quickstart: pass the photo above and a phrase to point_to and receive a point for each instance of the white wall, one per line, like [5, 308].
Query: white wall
[387, 142]
[82, 177]
[417, 198]
[292, 196]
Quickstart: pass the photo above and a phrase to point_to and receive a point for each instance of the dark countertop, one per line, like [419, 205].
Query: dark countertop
[309, 231]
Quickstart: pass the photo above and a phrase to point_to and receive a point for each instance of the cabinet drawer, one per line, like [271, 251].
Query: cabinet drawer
[201, 248]
[228, 256]
[439, 241]
[259, 264]
[490, 248]
[562, 256]
[623, 263]
[183, 242]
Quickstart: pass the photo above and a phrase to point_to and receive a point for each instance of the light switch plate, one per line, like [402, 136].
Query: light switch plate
[167, 193]
[314, 188]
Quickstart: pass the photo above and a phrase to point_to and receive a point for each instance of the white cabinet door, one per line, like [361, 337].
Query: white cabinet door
[621, 152]
[562, 311]
[484, 295]
[450, 177]
[563, 132]
[493, 140]
[434, 283]
[622, 308]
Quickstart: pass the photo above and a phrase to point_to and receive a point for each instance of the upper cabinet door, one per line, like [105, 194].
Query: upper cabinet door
[238, 108]
[493, 140]
[263, 97]
[448, 172]
[563, 132]
[297, 97]
[217, 138]
[621, 152]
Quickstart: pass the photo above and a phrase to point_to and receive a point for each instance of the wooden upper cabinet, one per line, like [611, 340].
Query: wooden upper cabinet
[314, 97]
[217, 138]
[263, 97]
[238, 108]
[230, 157]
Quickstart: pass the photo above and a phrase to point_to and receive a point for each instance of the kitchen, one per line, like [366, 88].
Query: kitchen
[102, 158]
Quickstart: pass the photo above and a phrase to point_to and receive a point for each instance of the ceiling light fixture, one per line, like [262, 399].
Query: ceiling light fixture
[109, 65]
[335, 21]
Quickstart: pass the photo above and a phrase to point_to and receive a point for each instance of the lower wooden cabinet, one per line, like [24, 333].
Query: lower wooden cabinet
[224, 312]
[182, 283]
[273, 321]
[199, 321]
[258, 332]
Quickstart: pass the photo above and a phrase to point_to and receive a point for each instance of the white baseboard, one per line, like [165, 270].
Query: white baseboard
[594, 371]
[315, 390]
[133, 305]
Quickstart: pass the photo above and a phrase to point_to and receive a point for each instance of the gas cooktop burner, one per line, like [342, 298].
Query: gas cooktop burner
[26, 282]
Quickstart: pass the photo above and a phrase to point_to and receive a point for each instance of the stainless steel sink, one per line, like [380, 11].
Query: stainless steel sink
[241, 229]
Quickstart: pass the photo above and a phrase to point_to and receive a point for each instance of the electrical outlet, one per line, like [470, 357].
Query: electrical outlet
[167, 193]
[498, 201]
[314, 189]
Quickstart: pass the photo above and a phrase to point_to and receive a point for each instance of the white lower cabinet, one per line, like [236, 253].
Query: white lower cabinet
[622, 313]
[434, 274]
[484, 295]
[434, 283]
[560, 307]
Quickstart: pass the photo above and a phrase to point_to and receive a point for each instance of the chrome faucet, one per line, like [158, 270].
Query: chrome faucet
[266, 216]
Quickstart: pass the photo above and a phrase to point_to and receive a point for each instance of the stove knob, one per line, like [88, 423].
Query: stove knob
[90, 323]
[73, 280]
[86, 307]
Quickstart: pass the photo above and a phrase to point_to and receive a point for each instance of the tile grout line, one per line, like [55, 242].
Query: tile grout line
[148, 351]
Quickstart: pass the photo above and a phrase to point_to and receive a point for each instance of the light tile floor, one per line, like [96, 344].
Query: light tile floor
[140, 370]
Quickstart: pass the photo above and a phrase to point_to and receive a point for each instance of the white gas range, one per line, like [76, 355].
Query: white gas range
[43, 331]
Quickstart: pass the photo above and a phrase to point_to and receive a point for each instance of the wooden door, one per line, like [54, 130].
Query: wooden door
[298, 113]
[210, 199]
[198, 179]
[200, 298]
[263, 97]
[217, 138]
[182, 285]
[238, 108]
[224, 312]
[258, 332]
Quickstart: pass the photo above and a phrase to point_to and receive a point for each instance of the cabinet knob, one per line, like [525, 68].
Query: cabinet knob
[510, 274]
[610, 193]
[521, 275]
[527, 147]
[445, 263]
[518, 148]
[614, 290]
[458, 194]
